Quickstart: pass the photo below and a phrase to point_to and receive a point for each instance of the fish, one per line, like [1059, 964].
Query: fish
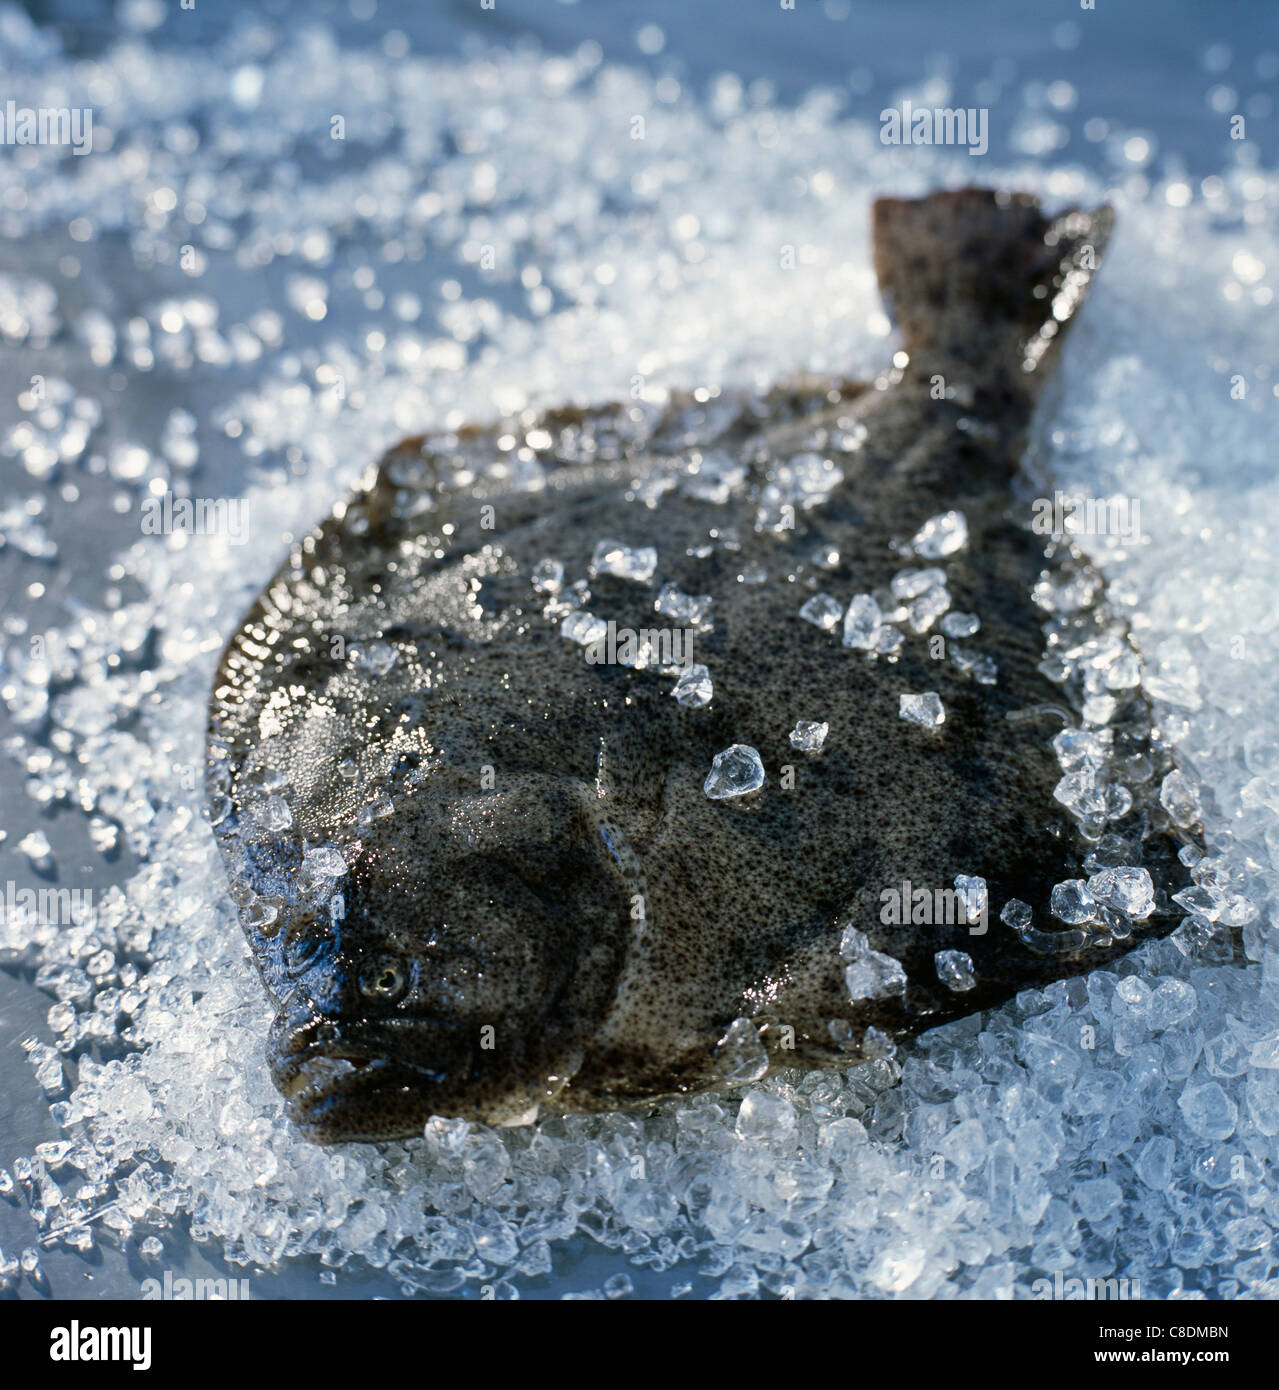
[612, 753]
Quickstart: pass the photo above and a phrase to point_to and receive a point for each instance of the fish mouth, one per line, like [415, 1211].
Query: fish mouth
[326, 1071]
[338, 1099]
[345, 1082]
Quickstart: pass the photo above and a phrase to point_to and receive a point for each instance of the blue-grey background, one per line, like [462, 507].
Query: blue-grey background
[1144, 66]
[1137, 63]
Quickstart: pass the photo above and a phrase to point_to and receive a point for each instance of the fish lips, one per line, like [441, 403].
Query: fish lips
[350, 1080]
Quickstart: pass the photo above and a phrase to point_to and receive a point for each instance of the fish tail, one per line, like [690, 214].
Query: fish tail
[985, 278]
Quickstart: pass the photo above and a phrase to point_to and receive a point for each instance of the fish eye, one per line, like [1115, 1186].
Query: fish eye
[382, 978]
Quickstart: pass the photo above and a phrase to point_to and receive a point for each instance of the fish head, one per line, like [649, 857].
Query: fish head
[478, 946]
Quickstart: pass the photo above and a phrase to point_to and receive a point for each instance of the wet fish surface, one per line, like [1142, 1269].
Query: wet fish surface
[518, 766]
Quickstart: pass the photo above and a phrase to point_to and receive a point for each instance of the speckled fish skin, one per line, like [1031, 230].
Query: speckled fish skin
[542, 908]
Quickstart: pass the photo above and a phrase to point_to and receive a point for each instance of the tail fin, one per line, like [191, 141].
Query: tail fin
[974, 272]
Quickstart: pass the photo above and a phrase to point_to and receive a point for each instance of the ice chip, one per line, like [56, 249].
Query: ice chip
[624, 562]
[1071, 902]
[955, 970]
[1076, 747]
[956, 624]
[808, 736]
[870, 974]
[693, 689]
[910, 584]
[378, 809]
[876, 1043]
[862, 622]
[739, 1054]
[874, 977]
[941, 535]
[1096, 1198]
[925, 709]
[712, 478]
[1172, 1003]
[736, 771]
[806, 481]
[584, 628]
[765, 1117]
[272, 814]
[888, 640]
[972, 890]
[37, 849]
[1154, 1163]
[1128, 890]
[923, 612]
[1177, 795]
[325, 861]
[1016, 914]
[899, 1266]
[1124, 673]
[1080, 794]
[673, 603]
[548, 576]
[822, 611]
[376, 657]
[1209, 1111]
[261, 915]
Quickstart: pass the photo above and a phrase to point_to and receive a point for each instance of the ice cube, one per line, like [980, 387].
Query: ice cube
[808, 736]
[1016, 914]
[941, 535]
[870, 974]
[624, 561]
[673, 603]
[325, 861]
[1177, 795]
[862, 622]
[693, 689]
[955, 970]
[956, 624]
[37, 849]
[911, 583]
[888, 640]
[822, 611]
[548, 576]
[1128, 890]
[923, 612]
[1072, 902]
[973, 891]
[739, 1054]
[925, 709]
[736, 771]
[584, 628]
